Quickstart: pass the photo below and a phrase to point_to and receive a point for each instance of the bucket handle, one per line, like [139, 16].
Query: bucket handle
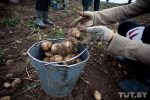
[56, 63]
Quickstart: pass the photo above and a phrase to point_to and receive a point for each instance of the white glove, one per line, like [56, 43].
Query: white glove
[102, 31]
[86, 18]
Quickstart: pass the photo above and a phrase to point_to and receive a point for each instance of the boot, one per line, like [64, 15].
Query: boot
[39, 22]
[45, 18]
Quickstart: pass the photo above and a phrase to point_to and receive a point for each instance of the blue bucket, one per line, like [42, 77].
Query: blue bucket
[56, 79]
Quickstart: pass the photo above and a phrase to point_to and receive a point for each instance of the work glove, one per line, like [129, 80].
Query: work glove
[102, 32]
[86, 18]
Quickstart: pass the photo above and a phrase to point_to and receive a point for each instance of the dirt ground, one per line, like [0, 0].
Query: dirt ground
[102, 71]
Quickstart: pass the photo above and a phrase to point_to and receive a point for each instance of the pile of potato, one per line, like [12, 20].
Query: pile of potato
[55, 52]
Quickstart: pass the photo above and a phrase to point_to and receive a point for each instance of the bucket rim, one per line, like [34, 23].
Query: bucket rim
[53, 63]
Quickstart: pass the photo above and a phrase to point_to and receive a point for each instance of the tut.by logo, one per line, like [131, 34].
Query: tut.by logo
[132, 94]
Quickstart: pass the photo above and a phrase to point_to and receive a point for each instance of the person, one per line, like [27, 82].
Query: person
[41, 13]
[87, 3]
[120, 45]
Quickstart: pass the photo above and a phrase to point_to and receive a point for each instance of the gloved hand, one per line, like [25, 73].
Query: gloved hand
[103, 32]
[86, 18]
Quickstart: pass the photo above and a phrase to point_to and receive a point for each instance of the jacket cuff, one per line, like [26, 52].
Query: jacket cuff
[116, 44]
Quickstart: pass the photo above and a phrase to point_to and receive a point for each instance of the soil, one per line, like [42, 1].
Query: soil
[102, 71]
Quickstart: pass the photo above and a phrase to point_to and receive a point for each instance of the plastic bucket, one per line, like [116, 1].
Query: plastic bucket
[56, 79]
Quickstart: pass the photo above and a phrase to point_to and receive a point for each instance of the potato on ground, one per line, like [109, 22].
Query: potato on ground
[46, 45]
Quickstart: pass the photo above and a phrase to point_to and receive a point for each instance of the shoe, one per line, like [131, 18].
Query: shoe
[45, 18]
[133, 86]
[39, 21]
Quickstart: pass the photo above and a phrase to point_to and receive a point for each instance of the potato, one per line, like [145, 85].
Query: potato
[73, 40]
[56, 58]
[68, 44]
[46, 59]
[46, 45]
[48, 53]
[55, 48]
[62, 48]
[69, 56]
[78, 60]
[97, 95]
[74, 32]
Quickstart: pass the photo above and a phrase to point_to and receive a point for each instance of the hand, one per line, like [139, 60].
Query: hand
[86, 18]
[102, 31]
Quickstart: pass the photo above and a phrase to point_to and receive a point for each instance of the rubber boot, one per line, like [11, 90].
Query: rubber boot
[39, 21]
[45, 18]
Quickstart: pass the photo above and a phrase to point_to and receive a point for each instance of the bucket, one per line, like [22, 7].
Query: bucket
[56, 79]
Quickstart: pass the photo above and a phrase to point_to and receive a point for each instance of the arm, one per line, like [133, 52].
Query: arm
[117, 14]
[130, 49]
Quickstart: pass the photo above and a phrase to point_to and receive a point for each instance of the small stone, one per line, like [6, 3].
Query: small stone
[24, 54]
[9, 62]
[6, 85]
[10, 32]
[119, 66]
[102, 55]
[18, 41]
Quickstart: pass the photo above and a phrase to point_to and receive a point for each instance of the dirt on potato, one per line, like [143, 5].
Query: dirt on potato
[18, 32]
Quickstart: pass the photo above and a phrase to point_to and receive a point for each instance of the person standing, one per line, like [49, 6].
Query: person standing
[87, 3]
[41, 13]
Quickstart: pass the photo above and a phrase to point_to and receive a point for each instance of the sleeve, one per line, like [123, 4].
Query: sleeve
[120, 13]
[134, 50]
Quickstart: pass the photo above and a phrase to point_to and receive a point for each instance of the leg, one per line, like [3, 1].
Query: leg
[38, 13]
[45, 14]
[96, 5]
[85, 5]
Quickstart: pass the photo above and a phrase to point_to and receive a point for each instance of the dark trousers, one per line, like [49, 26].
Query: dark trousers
[96, 5]
[42, 5]
[87, 3]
